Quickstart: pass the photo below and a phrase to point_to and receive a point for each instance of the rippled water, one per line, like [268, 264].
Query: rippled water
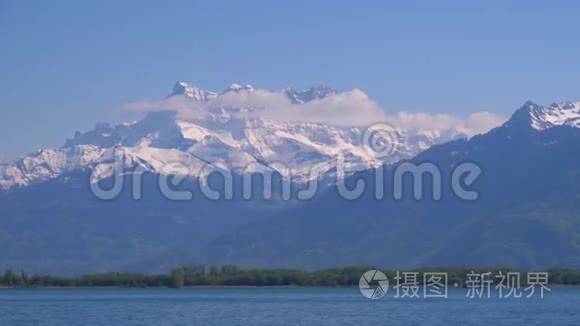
[260, 306]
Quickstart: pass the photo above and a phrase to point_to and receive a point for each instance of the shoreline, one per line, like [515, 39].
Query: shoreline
[192, 287]
[209, 287]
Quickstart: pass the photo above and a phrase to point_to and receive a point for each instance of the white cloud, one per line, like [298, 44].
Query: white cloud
[352, 108]
[475, 123]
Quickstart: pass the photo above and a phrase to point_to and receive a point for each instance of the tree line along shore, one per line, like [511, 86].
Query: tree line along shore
[231, 275]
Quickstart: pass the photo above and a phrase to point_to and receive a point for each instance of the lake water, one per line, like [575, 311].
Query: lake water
[268, 306]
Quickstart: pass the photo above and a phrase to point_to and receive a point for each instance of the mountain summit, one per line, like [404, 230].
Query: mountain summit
[310, 94]
[192, 92]
[236, 88]
[537, 117]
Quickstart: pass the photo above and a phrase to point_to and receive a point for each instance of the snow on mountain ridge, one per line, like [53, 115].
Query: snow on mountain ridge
[234, 144]
[46, 164]
[297, 97]
[192, 92]
[544, 117]
[234, 87]
[310, 94]
[221, 138]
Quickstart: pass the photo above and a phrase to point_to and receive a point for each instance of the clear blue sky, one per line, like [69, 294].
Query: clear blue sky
[66, 65]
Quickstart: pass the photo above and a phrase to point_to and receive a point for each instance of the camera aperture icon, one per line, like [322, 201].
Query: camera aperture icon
[373, 284]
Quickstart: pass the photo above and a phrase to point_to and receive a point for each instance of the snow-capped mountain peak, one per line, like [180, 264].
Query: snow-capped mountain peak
[310, 94]
[192, 92]
[297, 97]
[236, 88]
[545, 117]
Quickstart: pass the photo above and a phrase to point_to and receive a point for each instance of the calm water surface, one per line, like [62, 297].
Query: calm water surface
[308, 306]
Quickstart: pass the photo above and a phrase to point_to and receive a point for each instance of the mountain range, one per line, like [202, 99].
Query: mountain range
[221, 136]
[526, 215]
